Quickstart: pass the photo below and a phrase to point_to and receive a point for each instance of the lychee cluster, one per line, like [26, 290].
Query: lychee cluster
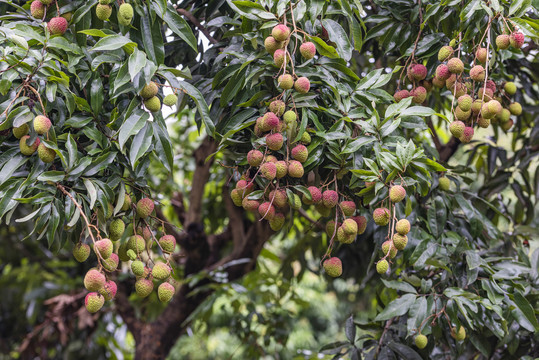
[149, 94]
[29, 144]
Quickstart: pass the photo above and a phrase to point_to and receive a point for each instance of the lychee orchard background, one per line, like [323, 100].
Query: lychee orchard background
[303, 179]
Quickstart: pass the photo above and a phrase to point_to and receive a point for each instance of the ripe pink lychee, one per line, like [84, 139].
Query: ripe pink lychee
[270, 121]
[300, 153]
[57, 26]
[302, 85]
[279, 56]
[295, 169]
[274, 141]
[307, 50]
[268, 170]
[381, 216]
[417, 72]
[37, 9]
[94, 280]
[109, 290]
[348, 207]
[316, 196]
[400, 95]
[419, 95]
[280, 32]
[477, 73]
[467, 134]
[333, 267]
[145, 207]
[516, 39]
[330, 198]
[278, 198]
[442, 72]
[361, 224]
[255, 157]
[245, 186]
[266, 210]
[104, 247]
[250, 205]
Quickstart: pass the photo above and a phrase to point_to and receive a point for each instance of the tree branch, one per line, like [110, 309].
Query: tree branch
[197, 23]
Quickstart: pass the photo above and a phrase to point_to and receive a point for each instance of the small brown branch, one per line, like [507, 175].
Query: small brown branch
[197, 23]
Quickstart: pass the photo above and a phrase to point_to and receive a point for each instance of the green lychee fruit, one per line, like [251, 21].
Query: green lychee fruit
[381, 216]
[477, 73]
[149, 90]
[81, 252]
[42, 124]
[400, 241]
[403, 226]
[388, 246]
[445, 53]
[280, 32]
[451, 81]
[143, 287]
[507, 125]
[455, 66]
[349, 227]
[46, 2]
[116, 229]
[361, 224]
[145, 232]
[457, 128]
[272, 45]
[348, 207]
[125, 14]
[482, 122]
[111, 264]
[94, 280]
[170, 100]
[145, 207]
[282, 169]
[37, 9]
[503, 115]
[153, 104]
[324, 211]
[331, 229]
[109, 290]
[136, 243]
[274, 141]
[266, 211]
[127, 202]
[289, 117]
[57, 26]
[295, 169]
[167, 243]
[46, 154]
[93, 302]
[307, 50]
[460, 334]
[161, 271]
[277, 222]
[330, 198]
[503, 41]
[467, 134]
[236, 197]
[461, 114]
[481, 55]
[137, 267]
[421, 341]
[103, 12]
[130, 254]
[165, 292]
[476, 106]
[333, 266]
[465, 102]
[277, 107]
[22, 130]
[444, 183]
[305, 138]
[104, 2]
[397, 193]
[485, 94]
[279, 57]
[300, 153]
[515, 108]
[510, 88]
[104, 247]
[268, 170]
[302, 85]
[382, 266]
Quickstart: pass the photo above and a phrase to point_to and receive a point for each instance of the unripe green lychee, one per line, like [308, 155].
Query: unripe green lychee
[286, 82]
[400, 241]
[137, 267]
[300, 153]
[105, 2]
[136, 243]
[460, 334]
[272, 45]
[349, 227]
[403, 226]
[104, 247]
[153, 104]
[37, 9]
[465, 102]
[81, 252]
[333, 267]
[388, 246]
[507, 125]
[302, 85]
[42, 124]
[268, 170]
[455, 66]
[295, 169]
[143, 287]
[130, 254]
[127, 203]
[331, 229]
[400, 95]
[461, 114]
[316, 196]
[397, 193]
[149, 90]
[467, 134]
[510, 88]
[266, 210]
[305, 138]
[103, 12]
[476, 106]
[451, 81]
[382, 266]
[348, 207]
[111, 264]
[494, 107]
[421, 341]
[145, 207]
[459, 89]
[289, 117]
[167, 243]
[170, 100]
[330, 198]
[280, 32]
[419, 94]
[277, 222]
[437, 82]
[94, 280]
[125, 14]
[345, 238]
[109, 290]
[22, 130]
[515, 108]
[93, 302]
[477, 73]
[255, 157]
[445, 53]
[282, 169]
[444, 183]
[381, 216]
[25, 149]
[161, 271]
[46, 154]
[482, 122]
[307, 50]
[46, 2]
[274, 141]
[503, 41]
[324, 211]
[116, 229]
[57, 26]
[165, 292]
[277, 107]
[361, 223]
[457, 128]
[503, 115]
[236, 197]
[481, 55]
[516, 39]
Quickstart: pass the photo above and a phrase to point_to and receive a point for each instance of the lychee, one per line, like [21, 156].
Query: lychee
[465, 102]
[250, 205]
[109, 290]
[125, 14]
[331, 229]
[236, 197]
[103, 12]
[421, 341]
[94, 280]
[295, 169]
[316, 196]
[149, 90]
[400, 95]
[104, 247]
[461, 114]
[460, 334]
[333, 267]
[476, 106]
[445, 53]
[444, 184]
[400, 241]
[266, 210]
[507, 125]
[274, 141]
[279, 57]
[381, 216]
[481, 55]
[277, 222]
[111, 264]
[170, 100]
[127, 203]
[93, 302]
[300, 153]
[268, 170]
[482, 122]
[457, 128]
[153, 104]
[388, 246]
[279, 198]
[307, 50]
[22, 130]
[419, 94]
[302, 85]
[165, 292]
[467, 135]
[503, 115]
[161, 271]
[167, 243]
[477, 73]
[81, 252]
[286, 82]
[349, 227]
[503, 41]
[269, 121]
[361, 223]
[324, 211]
[255, 157]
[348, 207]
[37, 9]
[305, 138]
[143, 287]
[57, 26]
[515, 108]
[277, 107]
[382, 266]
[280, 32]
[289, 117]
[330, 198]
[439, 83]
[510, 88]
[42, 124]
[282, 169]
[455, 66]
[272, 45]
[343, 237]
[442, 72]
[397, 193]
[516, 39]
[417, 72]
[145, 207]
[47, 155]
[136, 243]
[137, 267]
[116, 229]
[402, 227]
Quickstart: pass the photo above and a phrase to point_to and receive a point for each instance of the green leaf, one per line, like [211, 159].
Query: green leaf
[54, 176]
[137, 61]
[338, 36]
[526, 309]
[96, 96]
[397, 307]
[177, 24]
[132, 126]
[356, 144]
[113, 42]
[141, 143]
[399, 285]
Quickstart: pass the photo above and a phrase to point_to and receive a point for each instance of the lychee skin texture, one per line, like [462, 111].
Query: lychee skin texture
[170, 100]
[46, 154]
[277, 107]
[302, 85]
[400, 241]
[57, 26]
[330, 198]
[274, 141]
[103, 12]
[268, 170]
[503, 41]
[37, 9]
[149, 90]
[289, 117]
[305, 138]
[388, 246]
[42, 124]
[116, 229]
[510, 88]
[22, 130]
[460, 335]
[316, 196]
[279, 57]
[127, 203]
[255, 157]
[295, 169]
[269, 121]
[333, 267]
[250, 205]
[236, 197]
[442, 72]
[417, 72]
[153, 104]
[467, 134]
[462, 115]
[125, 14]
[280, 32]
[348, 208]
[361, 224]
[94, 280]
[349, 227]
[111, 264]
[419, 94]
[161, 271]
[136, 243]
[382, 267]
[400, 95]
[307, 50]
[168, 243]
[277, 222]
[282, 169]
[444, 183]
[143, 287]
[145, 208]
[109, 290]
[421, 341]
[397, 193]
[516, 40]
[481, 55]
[482, 122]
[465, 102]
[272, 45]
[331, 229]
[515, 108]
[286, 82]
[93, 302]
[507, 125]
[279, 198]
[403, 227]
[477, 73]
[137, 267]
[300, 153]
[165, 292]
[81, 252]
[266, 210]
[104, 247]
[445, 53]
[381, 216]
[455, 66]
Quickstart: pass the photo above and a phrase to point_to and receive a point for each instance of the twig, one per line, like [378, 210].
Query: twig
[197, 23]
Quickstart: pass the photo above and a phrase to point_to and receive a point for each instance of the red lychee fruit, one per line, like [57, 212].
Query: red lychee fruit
[300, 153]
[467, 135]
[397, 193]
[286, 82]
[302, 85]
[37, 9]
[361, 223]
[455, 66]
[109, 290]
[516, 39]
[333, 267]
[255, 157]
[282, 169]
[280, 32]
[145, 207]
[381, 216]
[419, 95]
[307, 50]
[57, 26]
[442, 72]
[348, 207]
[316, 196]
[417, 72]
[477, 73]
[266, 210]
[279, 56]
[274, 141]
[94, 280]
[330, 198]
[400, 95]
[268, 170]
[295, 169]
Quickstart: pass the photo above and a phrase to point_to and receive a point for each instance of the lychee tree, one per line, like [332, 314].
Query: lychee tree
[341, 125]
